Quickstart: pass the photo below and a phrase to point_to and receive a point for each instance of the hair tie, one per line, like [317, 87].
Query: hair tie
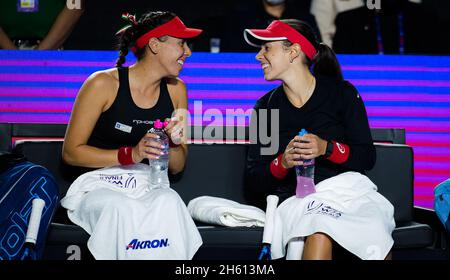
[131, 19]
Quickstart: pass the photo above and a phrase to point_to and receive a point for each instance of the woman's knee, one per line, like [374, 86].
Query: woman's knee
[318, 246]
[320, 238]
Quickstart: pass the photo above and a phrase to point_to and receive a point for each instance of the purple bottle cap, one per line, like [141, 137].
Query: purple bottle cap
[158, 124]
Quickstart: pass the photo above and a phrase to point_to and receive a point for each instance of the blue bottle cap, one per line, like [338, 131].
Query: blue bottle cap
[302, 132]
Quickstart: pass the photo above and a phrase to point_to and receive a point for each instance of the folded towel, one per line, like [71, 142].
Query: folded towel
[225, 212]
[346, 207]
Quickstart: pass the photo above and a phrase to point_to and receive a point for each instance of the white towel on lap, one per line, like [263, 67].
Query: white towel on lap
[348, 208]
[128, 221]
[225, 212]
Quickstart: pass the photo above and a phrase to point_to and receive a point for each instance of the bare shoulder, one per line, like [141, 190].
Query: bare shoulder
[176, 84]
[98, 91]
[177, 91]
[106, 79]
[101, 85]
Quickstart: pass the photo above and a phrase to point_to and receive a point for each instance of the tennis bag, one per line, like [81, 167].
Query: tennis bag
[442, 203]
[20, 182]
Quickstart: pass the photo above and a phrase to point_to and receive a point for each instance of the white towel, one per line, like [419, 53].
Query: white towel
[225, 212]
[126, 220]
[271, 209]
[348, 208]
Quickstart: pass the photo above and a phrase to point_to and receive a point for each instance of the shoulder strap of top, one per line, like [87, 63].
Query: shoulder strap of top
[123, 77]
[164, 95]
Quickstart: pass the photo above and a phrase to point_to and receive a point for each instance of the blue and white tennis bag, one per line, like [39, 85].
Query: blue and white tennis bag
[442, 203]
[20, 182]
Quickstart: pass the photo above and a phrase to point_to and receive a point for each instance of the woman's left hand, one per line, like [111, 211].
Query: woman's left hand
[310, 146]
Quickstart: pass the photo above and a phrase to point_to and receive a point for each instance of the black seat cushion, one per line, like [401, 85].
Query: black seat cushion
[237, 243]
[393, 174]
[412, 235]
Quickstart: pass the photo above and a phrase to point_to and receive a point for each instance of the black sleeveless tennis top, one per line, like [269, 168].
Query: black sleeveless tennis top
[124, 123]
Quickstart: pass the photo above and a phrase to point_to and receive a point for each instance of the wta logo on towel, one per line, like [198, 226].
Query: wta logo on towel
[148, 244]
[126, 181]
[320, 208]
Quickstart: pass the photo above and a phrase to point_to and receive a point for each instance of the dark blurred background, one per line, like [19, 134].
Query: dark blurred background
[423, 28]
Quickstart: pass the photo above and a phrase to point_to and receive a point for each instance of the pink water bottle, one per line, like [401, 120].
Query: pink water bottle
[305, 175]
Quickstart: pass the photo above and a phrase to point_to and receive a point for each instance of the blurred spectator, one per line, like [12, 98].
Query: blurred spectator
[41, 25]
[400, 26]
[346, 26]
[259, 14]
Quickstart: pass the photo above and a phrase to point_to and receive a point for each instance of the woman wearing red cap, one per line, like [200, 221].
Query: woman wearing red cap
[314, 96]
[112, 113]
[109, 127]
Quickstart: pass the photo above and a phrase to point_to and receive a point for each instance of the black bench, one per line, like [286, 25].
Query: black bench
[223, 177]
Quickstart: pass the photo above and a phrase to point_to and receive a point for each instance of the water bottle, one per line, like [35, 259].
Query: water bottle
[305, 175]
[214, 44]
[159, 167]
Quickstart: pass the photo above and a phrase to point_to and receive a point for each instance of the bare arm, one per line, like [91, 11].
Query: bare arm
[5, 42]
[61, 28]
[93, 98]
[177, 129]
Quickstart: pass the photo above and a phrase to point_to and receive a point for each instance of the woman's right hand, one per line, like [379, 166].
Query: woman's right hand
[149, 147]
[291, 155]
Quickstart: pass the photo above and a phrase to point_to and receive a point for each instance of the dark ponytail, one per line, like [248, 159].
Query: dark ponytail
[124, 44]
[128, 36]
[325, 62]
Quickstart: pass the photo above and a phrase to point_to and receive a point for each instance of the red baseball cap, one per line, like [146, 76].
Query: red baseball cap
[277, 31]
[175, 28]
